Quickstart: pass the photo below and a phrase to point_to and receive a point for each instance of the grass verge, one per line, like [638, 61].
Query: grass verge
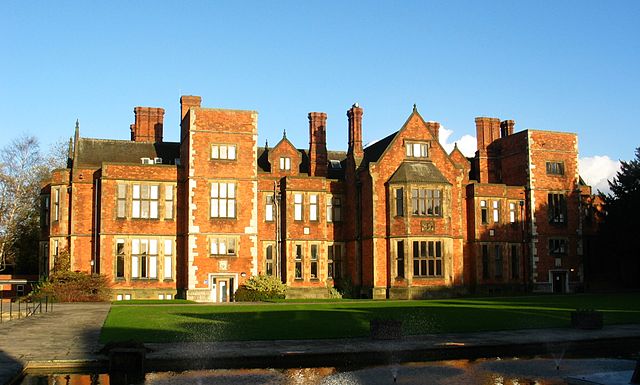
[172, 323]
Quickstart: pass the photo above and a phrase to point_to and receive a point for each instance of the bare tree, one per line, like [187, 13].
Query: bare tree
[21, 169]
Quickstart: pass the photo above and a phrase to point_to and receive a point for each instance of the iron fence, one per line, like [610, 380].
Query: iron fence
[18, 307]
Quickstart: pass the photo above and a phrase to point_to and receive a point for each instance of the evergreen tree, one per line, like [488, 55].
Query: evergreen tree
[621, 224]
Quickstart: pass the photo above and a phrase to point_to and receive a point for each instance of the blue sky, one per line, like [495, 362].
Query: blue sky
[552, 65]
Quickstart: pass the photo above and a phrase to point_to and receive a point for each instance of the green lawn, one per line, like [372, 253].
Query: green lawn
[168, 323]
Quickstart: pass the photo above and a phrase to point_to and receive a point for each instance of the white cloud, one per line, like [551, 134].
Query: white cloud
[467, 143]
[597, 170]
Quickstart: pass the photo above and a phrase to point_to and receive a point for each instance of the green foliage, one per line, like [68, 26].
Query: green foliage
[620, 225]
[261, 288]
[74, 286]
[334, 293]
[347, 289]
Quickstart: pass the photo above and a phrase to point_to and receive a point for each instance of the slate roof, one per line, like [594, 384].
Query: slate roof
[374, 151]
[332, 172]
[423, 172]
[92, 152]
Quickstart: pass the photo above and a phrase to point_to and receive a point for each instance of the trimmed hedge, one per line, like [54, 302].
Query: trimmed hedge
[261, 288]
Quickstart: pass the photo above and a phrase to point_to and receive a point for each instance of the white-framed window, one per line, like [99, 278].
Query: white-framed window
[313, 207]
[558, 246]
[269, 259]
[483, 212]
[314, 262]
[555, 168]
[496, 211]
[269, 208]
[285, 163]
[297, 206]
[513, 213]
[426, 202]
[222, 245]
[223, 200]
[56, 205]
[168, 259]
[144, 202]
[557, 208]
[120, 258]
[121, 204]
[334, 209]
[144, 258]
[223, 151]
[334, 260]
[44, 211]
[427, 258]
[298, 262]
[168, 202]
[417, 149]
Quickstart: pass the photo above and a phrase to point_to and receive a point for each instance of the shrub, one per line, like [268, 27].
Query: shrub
[74, 286]
[261, 288]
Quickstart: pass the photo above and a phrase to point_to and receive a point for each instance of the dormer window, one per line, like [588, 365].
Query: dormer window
[157, 160]
[285, 163]
[417, 149]
[147, 160]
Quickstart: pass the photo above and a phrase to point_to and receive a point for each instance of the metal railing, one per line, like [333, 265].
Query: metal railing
[16, 308]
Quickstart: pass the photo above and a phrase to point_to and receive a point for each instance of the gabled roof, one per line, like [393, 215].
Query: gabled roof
[374, 151]
[92, 152]
[420, 172]
[332, 172]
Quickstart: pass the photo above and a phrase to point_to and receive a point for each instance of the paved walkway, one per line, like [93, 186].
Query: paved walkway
[69, 335]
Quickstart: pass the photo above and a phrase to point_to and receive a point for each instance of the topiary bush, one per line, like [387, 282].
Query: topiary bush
[261, 288]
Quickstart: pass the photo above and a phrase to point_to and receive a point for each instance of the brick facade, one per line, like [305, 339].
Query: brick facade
[400, 218]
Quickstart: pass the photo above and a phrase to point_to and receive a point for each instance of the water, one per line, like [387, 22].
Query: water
[513, 371]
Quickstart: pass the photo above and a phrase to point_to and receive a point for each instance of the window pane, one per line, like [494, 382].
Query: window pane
[135, 246]
[231, 208]
[136, 191]
[134, 266]
[153, 266]
[231, 153]
[214, 190]
[223, 208]
[168, 247]
[153, 213]
[214, 208]
[168, 269]
[416, 150]
[154, 192]
[223, 152]
[214, 246]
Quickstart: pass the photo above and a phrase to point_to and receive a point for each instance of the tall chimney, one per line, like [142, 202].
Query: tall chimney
[506, 127]
[148, 124]
[188, 101]
[355, 131]
[435, 128]
[317, 144]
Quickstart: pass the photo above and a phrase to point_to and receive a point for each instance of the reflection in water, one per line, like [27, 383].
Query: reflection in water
[459, 372]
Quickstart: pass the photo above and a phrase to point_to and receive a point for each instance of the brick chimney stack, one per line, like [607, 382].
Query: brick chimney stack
[487, 131]
[188, 101]
[148, 124]
[355, 131]
[317, 144]
[435, 128]
[506, 127]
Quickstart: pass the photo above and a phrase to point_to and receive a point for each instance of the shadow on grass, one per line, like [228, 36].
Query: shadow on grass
[189, 325]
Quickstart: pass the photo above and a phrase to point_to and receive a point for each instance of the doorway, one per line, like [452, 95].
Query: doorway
[222, 288]
[559, 281]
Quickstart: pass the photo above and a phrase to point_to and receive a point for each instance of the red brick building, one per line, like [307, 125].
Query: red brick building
[400, 218]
